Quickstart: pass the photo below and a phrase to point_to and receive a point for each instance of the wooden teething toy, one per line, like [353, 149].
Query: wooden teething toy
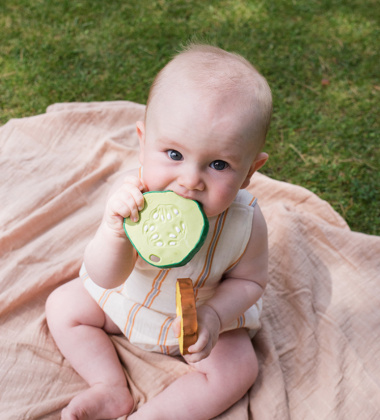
[186, 309]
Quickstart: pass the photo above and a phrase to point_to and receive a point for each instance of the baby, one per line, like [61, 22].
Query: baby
[206, 120]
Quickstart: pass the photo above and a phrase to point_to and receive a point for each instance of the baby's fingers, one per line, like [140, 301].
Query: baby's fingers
[201, 349]
[133, 181]
[176, 325]
[125, 202]
[134, 201]
[124, 207]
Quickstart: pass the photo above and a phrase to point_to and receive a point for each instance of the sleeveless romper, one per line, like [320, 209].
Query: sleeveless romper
[144, 306]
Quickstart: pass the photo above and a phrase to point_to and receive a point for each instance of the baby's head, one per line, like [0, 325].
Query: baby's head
[206, 121]
[218, 79]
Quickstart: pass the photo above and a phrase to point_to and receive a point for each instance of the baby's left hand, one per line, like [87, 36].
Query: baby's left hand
[208, 334]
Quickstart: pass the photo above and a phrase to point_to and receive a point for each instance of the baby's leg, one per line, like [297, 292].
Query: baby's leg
[216, 384]
[78, 326]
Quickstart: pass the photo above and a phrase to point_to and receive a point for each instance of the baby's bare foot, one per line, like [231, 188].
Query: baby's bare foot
[99, 402]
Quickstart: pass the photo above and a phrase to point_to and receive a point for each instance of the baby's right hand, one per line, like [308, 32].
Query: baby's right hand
[126, 201]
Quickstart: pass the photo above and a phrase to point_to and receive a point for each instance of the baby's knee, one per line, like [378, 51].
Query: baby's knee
[241, 373]
[71, 305]
[54, 307]
[63, 304]
[248, 368]
[232, 378]
[240, 366]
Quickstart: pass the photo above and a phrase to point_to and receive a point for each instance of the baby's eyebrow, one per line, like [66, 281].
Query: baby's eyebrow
[169, 143]
[229, 156]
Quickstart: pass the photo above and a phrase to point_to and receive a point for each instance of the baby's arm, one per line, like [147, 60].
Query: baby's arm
[109, 257]
[240, 288]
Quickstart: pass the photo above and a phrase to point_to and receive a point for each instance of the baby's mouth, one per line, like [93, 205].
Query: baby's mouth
[189, 195]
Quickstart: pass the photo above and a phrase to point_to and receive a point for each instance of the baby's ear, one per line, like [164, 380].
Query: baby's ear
[258, 163]
[140, 128]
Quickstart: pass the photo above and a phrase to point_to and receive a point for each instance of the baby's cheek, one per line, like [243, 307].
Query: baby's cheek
[218, 202]
[155, 180]
[225, 195]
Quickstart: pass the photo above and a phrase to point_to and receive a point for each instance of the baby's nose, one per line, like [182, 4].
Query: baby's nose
[191, 180]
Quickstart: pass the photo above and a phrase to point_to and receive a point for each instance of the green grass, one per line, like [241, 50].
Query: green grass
[324, 136]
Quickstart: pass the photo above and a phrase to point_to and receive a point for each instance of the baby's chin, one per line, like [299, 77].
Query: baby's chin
[212, 212]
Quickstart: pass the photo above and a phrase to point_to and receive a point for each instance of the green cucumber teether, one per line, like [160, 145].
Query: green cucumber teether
[170, 231]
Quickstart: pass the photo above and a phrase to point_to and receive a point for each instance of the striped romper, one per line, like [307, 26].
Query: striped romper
[144, 306]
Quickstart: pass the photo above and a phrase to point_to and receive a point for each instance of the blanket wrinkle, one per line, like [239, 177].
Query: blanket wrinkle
[319, 342]
[272, 384]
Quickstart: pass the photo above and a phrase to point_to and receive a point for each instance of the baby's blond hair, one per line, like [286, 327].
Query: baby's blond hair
[214, 70]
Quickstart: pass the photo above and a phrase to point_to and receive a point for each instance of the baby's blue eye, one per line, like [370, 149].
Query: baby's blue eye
[219, 165]
[174, 155]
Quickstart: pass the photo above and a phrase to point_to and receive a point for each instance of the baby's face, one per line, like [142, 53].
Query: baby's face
[196, 149]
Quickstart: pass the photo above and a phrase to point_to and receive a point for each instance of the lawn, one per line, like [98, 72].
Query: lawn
[321, 59]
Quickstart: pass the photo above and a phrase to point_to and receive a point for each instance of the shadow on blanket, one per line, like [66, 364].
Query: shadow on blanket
[319, 341]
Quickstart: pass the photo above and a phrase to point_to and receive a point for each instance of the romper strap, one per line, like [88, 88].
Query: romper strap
[253, 202]
[246, 198]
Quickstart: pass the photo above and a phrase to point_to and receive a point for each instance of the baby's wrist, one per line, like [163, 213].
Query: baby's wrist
[112, 231]
[213, 311]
